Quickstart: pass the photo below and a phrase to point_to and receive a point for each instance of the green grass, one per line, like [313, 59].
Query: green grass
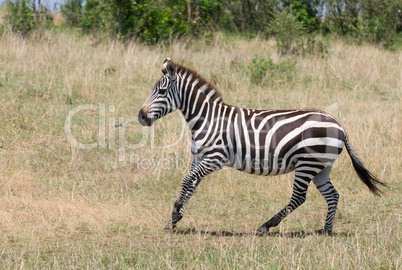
[105, 208]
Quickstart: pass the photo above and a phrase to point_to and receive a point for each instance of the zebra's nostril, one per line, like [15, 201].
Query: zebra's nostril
[143, 118]
[142, 114]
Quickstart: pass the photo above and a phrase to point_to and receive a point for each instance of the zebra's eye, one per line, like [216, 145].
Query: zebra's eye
[162, 91]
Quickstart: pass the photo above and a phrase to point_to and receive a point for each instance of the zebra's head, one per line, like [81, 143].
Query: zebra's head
[163, 99]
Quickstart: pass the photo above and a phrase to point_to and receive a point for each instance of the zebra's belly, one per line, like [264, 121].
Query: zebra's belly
[262, 167]
[277, 165]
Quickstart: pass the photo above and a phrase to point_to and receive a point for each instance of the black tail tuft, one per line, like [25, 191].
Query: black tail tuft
[367, 177]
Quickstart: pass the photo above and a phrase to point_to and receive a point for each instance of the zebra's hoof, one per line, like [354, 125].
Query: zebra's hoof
[170, 226]
[262, 230]
[323, 232]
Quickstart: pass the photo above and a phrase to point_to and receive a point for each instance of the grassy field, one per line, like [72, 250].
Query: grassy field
[105, 207]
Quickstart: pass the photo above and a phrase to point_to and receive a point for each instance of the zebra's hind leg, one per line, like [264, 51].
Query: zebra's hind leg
[324, 185]
[303, 177]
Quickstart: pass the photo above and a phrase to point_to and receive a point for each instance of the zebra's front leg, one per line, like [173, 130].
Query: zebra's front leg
[187, 190]
[188, 187]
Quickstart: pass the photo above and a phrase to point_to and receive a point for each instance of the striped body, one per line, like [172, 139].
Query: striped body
[262, 142]
[269, 142]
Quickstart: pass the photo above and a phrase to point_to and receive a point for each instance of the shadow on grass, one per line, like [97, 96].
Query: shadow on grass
[299, 234]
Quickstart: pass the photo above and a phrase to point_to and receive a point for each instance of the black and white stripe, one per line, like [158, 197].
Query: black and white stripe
[263, 142]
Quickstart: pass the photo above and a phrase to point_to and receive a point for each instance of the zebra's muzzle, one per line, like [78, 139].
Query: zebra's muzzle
[143, 118]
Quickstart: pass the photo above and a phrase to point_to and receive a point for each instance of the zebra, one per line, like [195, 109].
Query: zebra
[262, 142]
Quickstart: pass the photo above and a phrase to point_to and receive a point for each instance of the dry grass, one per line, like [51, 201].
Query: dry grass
[63, 207]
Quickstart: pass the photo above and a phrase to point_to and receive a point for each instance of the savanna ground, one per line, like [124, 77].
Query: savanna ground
[105, 207]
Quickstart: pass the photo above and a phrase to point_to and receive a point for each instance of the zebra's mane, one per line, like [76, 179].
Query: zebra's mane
[210, 87]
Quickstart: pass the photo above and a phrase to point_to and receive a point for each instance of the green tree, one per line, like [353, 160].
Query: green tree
[249, 16]
[287, 30]
[306, 11]
[72, 11]
[341, 16]
[20, 16]
[374, 21]
[379, 21]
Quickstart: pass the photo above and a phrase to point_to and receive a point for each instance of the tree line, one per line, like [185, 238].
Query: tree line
[155, 21]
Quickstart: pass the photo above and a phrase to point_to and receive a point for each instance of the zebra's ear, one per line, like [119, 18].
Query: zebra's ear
[169, 68]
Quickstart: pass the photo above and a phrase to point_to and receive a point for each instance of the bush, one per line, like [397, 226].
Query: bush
[379, 21]
[247, 16]
[72, 11]
[125, 19]
[306, 12]
[373, 21]
[266, 71]
[158, 24]
[20, 16]
[258, 68]
[286, 29]
[24, 16]
[145, 20]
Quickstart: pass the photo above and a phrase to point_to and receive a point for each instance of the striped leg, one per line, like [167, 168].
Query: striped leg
[331, 197]
[327, 190]
[303, 176]
[188, 186]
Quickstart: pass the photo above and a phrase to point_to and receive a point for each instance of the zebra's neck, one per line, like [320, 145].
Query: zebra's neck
[198, 98]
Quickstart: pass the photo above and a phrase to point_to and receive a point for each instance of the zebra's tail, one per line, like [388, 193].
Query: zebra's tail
[367, 177]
